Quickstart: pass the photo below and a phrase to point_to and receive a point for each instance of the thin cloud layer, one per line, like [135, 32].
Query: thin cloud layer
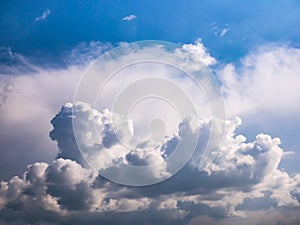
[85, 53]
[12, 63]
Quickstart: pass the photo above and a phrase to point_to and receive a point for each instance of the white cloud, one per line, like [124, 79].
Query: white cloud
[262, 88]
[85, 53]
[244, 174]
[243, 171]
[45, 14]
[108, 138]
[198, 53]
[64, 190]
[129, 18]
[223, 32]
[267, 80]
[218, 30]
[28, 104]
[40, 93]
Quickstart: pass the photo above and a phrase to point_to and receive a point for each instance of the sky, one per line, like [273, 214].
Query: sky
[53, 169]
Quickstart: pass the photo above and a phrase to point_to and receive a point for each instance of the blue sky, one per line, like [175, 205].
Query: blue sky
[249, 24]
[253, 51]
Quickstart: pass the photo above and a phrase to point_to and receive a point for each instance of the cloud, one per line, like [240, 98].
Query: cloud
[244, 185]
[94, 144]
[262, 88]
[28, 102]
[5, 90]
[45, 14]
[218, 30]
[266, 80]
[66, 192]
[223, 32]
[129, 18]
[197, 52]
[13, 63]
[270, 217]
[86, 52]
[47, 89]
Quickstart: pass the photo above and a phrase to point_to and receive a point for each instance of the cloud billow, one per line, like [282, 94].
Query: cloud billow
[244, 185]
[67, 192]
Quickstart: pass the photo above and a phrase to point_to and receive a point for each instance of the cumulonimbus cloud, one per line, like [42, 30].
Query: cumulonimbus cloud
[65, 188]
[245, 179]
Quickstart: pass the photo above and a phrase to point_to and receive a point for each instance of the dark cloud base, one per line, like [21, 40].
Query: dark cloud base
[244, 179]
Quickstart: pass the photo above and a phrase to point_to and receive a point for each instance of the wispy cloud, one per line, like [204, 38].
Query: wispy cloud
[86, 52]
[45, 14]
[218, 30]
[223, 32]
[130, 17]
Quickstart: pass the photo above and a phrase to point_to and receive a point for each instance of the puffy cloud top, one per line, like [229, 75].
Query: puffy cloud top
[67, 192]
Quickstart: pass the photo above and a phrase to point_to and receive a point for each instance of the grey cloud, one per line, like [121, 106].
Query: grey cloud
[245, 174]
[5, 90]
[64, 192]
[62, 133]
[245, 167]
[44, 88]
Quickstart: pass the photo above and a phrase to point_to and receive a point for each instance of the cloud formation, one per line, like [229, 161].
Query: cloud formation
[45, 14]
[47, 89]
[198, 53]
[219, 30]
[86, 52]
[266, 79]
[65, 191]
[5, 90]
[13, 63]
[129, 18]
[224, 31]
[244, 185]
